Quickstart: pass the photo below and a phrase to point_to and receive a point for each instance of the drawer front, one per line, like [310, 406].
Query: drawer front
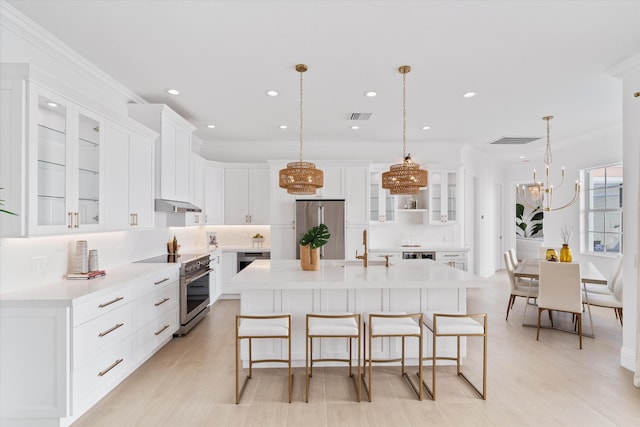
[155, 333]
[155, 304]
[162, 279]
[102, 370]
[101, 305]
[450, 256]
[104, 330]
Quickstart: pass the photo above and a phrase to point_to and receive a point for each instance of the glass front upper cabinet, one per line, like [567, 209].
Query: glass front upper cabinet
[443, 197]
[68, 170]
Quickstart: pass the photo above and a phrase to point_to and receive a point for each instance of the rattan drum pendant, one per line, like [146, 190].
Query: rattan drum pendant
[301, 177]
[405, 177]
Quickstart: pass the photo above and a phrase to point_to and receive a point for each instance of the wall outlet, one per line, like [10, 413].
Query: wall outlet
[38, 264]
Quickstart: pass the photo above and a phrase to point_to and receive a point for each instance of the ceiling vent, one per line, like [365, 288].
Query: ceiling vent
[360, 116]
[510, 140]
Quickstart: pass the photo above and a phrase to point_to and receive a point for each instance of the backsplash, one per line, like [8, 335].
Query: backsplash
[35, 261]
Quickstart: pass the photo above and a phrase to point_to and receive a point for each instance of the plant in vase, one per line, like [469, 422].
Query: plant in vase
[310, 244]
[565, 253]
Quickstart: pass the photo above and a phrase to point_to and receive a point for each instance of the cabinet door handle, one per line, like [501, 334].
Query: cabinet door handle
[161, 281]
[162, 302]
[108, 331]
[103, 305]
[161, 330]
[70, 220]
[77, 216]
[135, 217]
[113, 365]
[131, 222]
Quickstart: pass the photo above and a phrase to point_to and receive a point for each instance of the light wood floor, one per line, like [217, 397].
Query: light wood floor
[190, 382]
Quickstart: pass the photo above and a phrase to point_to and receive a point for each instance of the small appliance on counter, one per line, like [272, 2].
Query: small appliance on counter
[194, 286]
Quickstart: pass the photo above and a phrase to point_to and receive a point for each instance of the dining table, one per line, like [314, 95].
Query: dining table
[529, 268]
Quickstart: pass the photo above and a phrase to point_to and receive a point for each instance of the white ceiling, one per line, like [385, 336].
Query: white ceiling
[524, 59]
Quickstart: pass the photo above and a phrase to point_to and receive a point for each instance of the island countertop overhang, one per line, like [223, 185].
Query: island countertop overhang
[337, 274]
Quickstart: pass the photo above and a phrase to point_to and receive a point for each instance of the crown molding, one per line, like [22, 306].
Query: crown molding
[13, 20]
[626, 68]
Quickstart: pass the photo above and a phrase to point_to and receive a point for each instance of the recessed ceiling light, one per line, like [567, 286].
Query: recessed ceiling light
[426, 127]
[283, 126]
[52, 104]
[469, 94]
[172, 91]
[370, 94]
[355, 127]
[522, 157]
[211, 126]
[272, 92]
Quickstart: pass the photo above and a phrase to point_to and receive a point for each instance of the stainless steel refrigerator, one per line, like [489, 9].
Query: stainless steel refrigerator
[310, 213]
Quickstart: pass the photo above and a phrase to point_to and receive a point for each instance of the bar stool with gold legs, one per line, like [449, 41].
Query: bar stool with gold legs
[389, 324]
[332, 325]
[457, 325]
[252, 327]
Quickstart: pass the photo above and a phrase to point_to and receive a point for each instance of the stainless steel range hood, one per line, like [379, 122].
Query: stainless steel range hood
[175, 206]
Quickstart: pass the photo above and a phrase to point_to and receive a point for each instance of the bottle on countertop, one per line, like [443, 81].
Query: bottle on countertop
[175, 245]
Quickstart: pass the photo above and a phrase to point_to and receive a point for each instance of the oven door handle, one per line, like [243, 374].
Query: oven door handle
[189, 280]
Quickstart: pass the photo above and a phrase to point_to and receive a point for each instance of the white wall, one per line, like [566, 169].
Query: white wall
[488, 172]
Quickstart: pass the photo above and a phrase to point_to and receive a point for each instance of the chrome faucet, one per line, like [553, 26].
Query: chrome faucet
[364, 257]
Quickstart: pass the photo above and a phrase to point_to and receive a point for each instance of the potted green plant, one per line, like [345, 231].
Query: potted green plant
[310, 245]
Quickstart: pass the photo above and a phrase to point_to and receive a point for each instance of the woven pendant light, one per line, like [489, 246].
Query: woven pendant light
[405, 177]
[301, 178]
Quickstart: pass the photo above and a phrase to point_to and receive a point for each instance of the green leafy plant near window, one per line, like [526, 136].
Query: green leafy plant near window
[528, 221]
[316, 237]
[3, 210]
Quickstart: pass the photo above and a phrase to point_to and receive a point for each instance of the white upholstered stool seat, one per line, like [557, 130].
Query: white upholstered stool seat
[392, 324]
[332, 325]
[456, 325]
[268, 326]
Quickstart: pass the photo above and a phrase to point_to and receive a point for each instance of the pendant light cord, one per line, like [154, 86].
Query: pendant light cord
[547, 155]
[300, 116]
[404, 116]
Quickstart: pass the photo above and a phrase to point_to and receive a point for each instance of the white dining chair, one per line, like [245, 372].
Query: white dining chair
[560, 290]
[609, 296]
[519, 288]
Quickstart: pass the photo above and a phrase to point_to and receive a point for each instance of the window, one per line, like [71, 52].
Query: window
[604, 209]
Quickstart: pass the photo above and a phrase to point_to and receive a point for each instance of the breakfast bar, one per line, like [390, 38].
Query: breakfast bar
[275, 286]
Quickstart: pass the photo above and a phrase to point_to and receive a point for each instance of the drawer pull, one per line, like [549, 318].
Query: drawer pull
[162, 330]
[110, 302]
[161, 281]
[162, 302]
[108, 331]
[113, 365]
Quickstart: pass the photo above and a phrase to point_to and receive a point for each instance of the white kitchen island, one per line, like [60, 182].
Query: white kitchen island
[269, 286]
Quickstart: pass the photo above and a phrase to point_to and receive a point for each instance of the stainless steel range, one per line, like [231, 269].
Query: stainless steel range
[194, 287]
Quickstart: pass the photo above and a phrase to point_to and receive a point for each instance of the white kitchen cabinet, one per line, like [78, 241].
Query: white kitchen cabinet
[443, 197]
[52, 154]
[382, 205]
[229, 269]
[334, 182]
[455, 259]
[214, 194]
[246, 196]
[357, 195]
[215, 276]
[173, 151]
[62, 353]
[283, 204]
[283, 241]
[129, 170]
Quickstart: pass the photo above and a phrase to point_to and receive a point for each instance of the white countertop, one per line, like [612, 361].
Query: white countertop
[66, 293]
[334, 274]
